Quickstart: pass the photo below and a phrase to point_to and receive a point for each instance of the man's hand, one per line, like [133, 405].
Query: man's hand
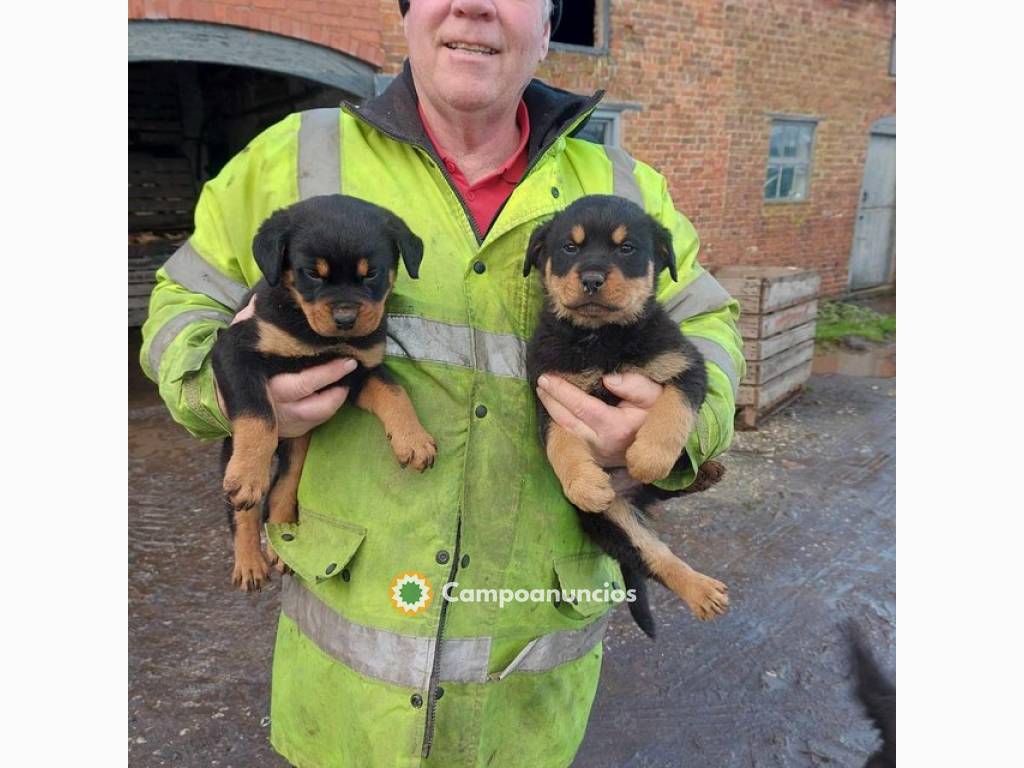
[608, 429]
[298, 404]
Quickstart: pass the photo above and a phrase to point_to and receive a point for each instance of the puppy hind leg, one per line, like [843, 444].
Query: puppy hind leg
[706, 597]
[285, 489]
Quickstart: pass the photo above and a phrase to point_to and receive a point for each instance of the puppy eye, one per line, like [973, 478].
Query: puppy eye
[571, 248]
[626, 249]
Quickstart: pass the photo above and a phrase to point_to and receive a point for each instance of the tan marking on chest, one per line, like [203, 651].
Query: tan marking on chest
[274, 341]
[585, 380]
[662, 368]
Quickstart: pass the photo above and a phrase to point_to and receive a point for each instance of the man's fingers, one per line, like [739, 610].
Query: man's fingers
[245, 312]
[316, 408]
[634, 388]
[565, 418]
[289, 387]
[596, 414]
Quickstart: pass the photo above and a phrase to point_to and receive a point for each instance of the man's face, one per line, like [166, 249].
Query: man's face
[469, 55]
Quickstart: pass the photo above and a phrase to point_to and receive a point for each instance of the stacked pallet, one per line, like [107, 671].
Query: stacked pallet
[779, 308]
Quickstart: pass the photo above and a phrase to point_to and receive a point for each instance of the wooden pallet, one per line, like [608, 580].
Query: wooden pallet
[779, 308]
[144, 259]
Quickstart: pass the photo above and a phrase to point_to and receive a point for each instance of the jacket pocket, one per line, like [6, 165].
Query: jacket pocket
[586, 582]
[316, 548]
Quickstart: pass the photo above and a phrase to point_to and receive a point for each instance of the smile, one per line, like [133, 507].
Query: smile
[471, 48]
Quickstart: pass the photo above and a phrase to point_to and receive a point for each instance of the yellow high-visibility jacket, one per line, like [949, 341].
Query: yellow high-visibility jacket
[356, 681]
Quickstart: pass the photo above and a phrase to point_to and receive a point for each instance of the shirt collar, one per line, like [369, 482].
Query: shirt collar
[522, 121]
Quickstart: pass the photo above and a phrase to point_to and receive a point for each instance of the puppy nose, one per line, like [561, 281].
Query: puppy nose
[345, 317]
[592, 281]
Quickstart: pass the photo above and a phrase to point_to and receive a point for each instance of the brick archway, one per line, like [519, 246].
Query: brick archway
[170, 40]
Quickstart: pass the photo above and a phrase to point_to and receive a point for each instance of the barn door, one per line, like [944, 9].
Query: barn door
[874, 237]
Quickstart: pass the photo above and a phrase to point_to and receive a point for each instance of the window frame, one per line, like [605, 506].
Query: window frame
[602, 15]
[801, 120]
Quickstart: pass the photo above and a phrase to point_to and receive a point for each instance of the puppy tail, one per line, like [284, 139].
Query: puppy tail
[639, 609]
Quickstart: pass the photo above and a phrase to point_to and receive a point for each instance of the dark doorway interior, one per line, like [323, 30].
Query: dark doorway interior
[185, 121]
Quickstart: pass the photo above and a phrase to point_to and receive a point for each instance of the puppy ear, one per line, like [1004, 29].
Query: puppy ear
[535, 248]
[664, 254]
[407, 244]
[270, 246]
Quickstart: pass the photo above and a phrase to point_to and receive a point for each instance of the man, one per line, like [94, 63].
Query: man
[473, 155]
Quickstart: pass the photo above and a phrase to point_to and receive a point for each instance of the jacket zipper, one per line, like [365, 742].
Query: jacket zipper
[435, 672]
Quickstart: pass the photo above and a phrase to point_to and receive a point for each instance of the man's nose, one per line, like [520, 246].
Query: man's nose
[592, 280]
[482, 9]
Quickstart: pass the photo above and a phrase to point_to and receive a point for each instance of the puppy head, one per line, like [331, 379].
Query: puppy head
[599, 260]
[338, 257]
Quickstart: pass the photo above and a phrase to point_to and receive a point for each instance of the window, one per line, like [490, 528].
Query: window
[789, 160]
[603, 127]
[584, 26]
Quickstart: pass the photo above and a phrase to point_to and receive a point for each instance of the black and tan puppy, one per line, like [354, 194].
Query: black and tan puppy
[599, 261]
[329, 264]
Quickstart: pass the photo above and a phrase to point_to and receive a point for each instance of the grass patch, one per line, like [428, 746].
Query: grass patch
[837, 320]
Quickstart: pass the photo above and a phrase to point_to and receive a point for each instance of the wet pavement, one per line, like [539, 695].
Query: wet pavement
[802, 529]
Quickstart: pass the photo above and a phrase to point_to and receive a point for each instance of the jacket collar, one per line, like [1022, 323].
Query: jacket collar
[551, 110]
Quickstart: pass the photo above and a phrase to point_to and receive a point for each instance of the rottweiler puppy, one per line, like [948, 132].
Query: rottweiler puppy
[599, 261]
[329, 264]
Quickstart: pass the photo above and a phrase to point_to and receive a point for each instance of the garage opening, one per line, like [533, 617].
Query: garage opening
[185, 121]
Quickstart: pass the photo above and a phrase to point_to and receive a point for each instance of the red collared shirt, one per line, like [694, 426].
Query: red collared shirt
[485, 198]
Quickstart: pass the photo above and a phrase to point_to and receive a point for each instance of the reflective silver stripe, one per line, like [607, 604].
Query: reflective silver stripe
[500, 354]
[705, 294]
[406, 660]
[319, 153]
[719, 355]
[170, 330]
[190, 270]
[549, 651]
[623, 180]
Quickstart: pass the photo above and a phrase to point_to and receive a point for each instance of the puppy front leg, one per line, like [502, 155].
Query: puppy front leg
[385, 399]
[584, 483]
[660, 441]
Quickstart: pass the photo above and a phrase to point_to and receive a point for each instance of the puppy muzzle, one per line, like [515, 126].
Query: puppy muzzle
[592, 280]
[345, 316]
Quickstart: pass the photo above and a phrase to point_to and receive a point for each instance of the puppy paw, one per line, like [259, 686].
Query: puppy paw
[245, 486]
[590, 489]
[649, 460]
[275, 561]
[707, 598]
[415, 449]
[251, 571]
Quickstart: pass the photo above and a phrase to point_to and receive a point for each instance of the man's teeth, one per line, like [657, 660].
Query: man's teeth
[470, 48]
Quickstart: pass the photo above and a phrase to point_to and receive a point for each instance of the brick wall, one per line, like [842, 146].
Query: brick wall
[351, 26]
[705, 75]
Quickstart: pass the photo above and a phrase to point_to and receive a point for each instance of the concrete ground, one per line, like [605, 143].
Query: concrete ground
[802, 529]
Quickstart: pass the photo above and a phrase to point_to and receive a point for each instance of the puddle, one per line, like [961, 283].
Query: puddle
[876, 362]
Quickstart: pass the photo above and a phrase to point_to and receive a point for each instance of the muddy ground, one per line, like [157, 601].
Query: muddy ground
[802, 528]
